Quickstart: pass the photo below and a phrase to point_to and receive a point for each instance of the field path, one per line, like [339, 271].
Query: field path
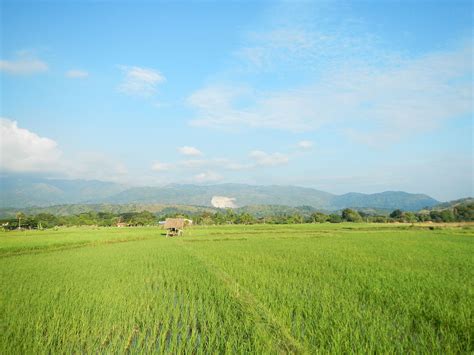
[282, 340]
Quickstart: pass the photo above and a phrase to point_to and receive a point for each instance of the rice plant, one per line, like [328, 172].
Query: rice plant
[238, 289]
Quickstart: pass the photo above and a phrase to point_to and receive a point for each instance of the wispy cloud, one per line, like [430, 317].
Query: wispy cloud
[207, 176]
[77, 74]
[307, 70]
[278, 46]
[24, 64]
[190, 151]
[157, 166]
[214, 169]
[265, 159]
[307, 37]
[139, 81]
[403, 98]
[306, 145]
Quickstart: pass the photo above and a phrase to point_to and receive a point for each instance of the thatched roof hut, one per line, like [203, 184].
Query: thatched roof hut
[174, 226]
[174, 223]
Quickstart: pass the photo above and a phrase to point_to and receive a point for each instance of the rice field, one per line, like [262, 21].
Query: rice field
[238, 289]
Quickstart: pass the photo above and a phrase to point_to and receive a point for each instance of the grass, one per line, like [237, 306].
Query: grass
[239, 289]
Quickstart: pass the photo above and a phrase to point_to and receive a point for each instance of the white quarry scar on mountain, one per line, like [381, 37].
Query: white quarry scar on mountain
[223, 202]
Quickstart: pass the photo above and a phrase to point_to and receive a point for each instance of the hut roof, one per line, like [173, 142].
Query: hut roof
[177, 223]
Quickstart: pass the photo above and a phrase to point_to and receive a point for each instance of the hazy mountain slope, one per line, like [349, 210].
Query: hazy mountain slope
[28, 191]
[384, 200]
[24, 192]
[291, 196]
[244, 195]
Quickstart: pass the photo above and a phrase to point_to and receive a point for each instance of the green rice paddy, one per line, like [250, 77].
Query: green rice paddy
[238, 289]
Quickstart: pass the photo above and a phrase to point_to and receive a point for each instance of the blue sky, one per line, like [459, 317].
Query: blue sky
[341, 96]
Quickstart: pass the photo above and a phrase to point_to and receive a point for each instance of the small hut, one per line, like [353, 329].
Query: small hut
[174, 226]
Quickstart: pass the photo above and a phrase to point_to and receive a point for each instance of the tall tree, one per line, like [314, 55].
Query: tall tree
[20, 216]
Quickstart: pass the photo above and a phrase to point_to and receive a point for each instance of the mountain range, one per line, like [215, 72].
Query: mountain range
[20, 192]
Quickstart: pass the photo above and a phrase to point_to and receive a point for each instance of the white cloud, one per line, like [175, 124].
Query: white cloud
[208, 176]
[24, 64]
[305, 145]
[190, 151]
[199, 164]
[399, 98]
[157, 166]
[266, 159]
[188, 166]
[221, 163]
[24, 151]
[140, 81]
[77, 74]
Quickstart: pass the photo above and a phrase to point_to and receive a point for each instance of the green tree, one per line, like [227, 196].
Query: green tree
[335, 218]
[144, 218]
[246, 218]
[423, 216]
[464, 213]
[350, 215]
[296, 218]
[409, 217]
[319, 217]
[447, 215]
[46, 220]
[219, 218]
[378, 219]
[435, 216]
[397, 214]
[230, 216]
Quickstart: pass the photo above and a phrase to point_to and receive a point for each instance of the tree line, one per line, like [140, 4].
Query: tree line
[462, 213]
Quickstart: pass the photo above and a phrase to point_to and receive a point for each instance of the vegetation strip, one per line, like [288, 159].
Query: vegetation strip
[137, 215]
[282, 340]
[43, 250]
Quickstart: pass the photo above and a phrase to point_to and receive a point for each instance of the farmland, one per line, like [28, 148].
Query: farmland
[239, 289]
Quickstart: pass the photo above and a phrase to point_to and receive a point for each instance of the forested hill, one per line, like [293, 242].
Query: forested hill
[24, 192]
[453, 204]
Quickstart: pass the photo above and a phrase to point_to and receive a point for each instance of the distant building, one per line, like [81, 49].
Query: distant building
[122, 224]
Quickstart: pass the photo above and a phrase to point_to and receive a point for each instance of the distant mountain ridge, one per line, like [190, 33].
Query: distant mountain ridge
[29, 191]
[24, 192]
[244, 195]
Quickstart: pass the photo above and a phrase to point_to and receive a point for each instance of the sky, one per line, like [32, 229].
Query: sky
[342, 96]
